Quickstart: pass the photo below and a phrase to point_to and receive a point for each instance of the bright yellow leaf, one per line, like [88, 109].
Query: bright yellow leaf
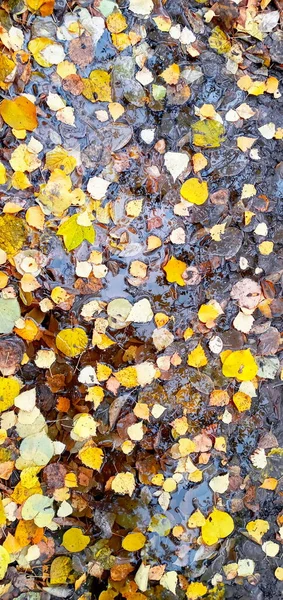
[98, 87]
[91, 456]
[127, 377]
[19, 113]
[197, 519]
[3, 178]
[218, 524]
[194, 191]
[9, 389]
[208, 133]
[257, 529]
[20, 181]
[4, 561]
[196, 590]
[197, 357]
[171, 74]
[240, 364]
[72, 342]
[174, 270]
[134, 541]
[116, 22]
[74, 540]
[207, 312]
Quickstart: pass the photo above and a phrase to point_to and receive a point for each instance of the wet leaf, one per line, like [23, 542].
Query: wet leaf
[19, 113]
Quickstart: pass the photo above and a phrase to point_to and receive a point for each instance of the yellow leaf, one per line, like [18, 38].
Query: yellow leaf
[45, 7]
[197, 357]
[242, 401]
[196, 590]
[95, 394]
[257, 88]
[219, 41]
[121, 41]
[20, 181]
[208, 133]
[74, 233]
[174, 270]
[23, 160]
[127, 377]
[19, 113]
[116, 22]
[270, 483]
[3, 178]
[271, 85]
[134, 541]
[66, 68]
[9, 389]
[163, 22]
[194, 191]
[7, 67]
[36, 46]
[91, 456]
[56, 196]
[35, 217]
[60, 570]
[123, 483]
[171, 74]
[74, 540]
[199, 162]
[58, 158]
[240, 364]
[4, 561]
[72, 342]
[279, 573]
[218, 525]
[197, 519]
[98, 86]
[266, 248]
[257, 529]
[207, 312]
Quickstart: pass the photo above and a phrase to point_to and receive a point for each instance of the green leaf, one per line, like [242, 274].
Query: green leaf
[9, 313]
[74, 234]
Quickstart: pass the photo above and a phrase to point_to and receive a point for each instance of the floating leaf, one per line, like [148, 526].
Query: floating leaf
[58, 158]
[134, 541]
[197, 357]
[74, 540]
[257, 529]
[72, 342]
[174, 270]
[74, 234]
[9, 313]
[12, 234]
[194, 191]
[97, 87]
[240, 364]
[60, 570]
[91, 456]
[218, 524]
[4, 561]
[196, 590]
[208, 133]
[19, 113]
[123, 483]
[9, 389]
[219, 41]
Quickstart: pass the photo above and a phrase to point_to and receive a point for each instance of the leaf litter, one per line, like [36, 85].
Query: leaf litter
[141, 300]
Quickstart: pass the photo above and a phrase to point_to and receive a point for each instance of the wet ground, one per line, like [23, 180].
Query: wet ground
[162, 421]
